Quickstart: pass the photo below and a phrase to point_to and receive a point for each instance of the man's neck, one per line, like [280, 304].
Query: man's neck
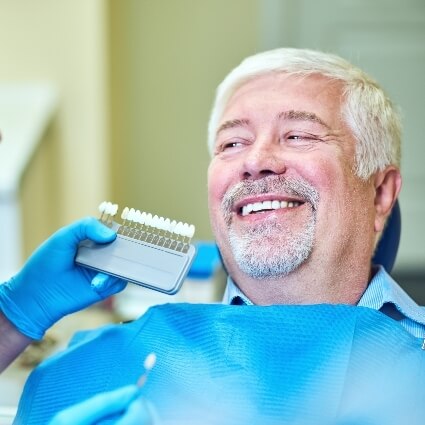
[304, 287]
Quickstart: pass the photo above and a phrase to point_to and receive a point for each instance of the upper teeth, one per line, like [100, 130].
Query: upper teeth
[268, 205]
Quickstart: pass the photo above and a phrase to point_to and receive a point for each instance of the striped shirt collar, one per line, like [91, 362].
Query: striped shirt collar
[382, 293]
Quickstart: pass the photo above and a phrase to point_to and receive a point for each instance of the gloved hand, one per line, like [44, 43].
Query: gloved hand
[124, 404]
[51, 285]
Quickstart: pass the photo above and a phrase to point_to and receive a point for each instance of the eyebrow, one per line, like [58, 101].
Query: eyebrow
[232, 124]
[302, 116]
[291, 115]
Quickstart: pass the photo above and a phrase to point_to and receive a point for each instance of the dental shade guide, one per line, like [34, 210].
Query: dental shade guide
[149, 251]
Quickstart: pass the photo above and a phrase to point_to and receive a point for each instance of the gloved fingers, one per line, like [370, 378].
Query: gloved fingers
[106, 285]
[86, 228]
[100, 406]
[138, 413]
[97, 232]
[93, 229]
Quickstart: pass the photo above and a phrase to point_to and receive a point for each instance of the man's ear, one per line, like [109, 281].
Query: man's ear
[387, 188]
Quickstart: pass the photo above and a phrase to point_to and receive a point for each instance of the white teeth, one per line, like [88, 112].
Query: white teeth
[258, 206]
[247, 209]
[268, 205]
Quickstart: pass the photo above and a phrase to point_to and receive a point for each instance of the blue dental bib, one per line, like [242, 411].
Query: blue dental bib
[221, 364]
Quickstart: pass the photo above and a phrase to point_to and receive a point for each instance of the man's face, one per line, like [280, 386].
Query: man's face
[282, 191]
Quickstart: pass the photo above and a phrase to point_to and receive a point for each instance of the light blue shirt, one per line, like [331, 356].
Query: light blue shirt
[383, 294]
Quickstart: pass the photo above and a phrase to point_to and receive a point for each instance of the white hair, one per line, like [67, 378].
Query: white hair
[367, 110]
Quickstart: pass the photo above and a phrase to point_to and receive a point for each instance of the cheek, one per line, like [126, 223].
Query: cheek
[337, 187]
[324, 175]
[219, 180]
[221, 177]
[213, 186]
[217, 185]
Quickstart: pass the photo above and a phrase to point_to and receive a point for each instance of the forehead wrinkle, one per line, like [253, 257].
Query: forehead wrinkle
[293, 115]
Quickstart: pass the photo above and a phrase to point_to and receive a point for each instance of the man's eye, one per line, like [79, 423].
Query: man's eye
[231, 145]
[302, 137]
[228, 146]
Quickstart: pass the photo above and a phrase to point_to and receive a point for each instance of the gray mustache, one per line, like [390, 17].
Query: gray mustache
[276, 184]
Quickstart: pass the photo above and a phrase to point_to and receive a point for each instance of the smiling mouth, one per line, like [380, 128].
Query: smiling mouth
[260, 207]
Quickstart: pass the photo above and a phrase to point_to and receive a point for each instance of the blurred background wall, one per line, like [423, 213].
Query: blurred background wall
[64, 44]
[136, 80]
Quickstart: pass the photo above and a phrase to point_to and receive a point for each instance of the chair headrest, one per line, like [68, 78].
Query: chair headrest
[386, 251]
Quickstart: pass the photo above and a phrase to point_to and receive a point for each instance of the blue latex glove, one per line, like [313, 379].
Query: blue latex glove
[51, 285]
[124, 405]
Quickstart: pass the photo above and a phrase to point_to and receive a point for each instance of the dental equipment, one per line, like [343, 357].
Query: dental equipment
[150, 251]
[148, 364]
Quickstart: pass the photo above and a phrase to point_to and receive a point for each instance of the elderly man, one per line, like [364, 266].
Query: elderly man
[300, 183]
[304, 174]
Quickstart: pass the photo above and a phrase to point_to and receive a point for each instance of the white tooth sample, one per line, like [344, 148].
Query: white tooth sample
[108, 208]
[124, 213]
[290, 205]
[275, 205]
[143, 218]
[173, 225]
[155, 221]
[161, 223]
[114, 209]
[137, 216]
[167, 225]
[102, 207]
[267, 205]
[283, 204]
[179, 228]
[257, 206]
[185, 230]
[131, 214]
[244, 211]
[191, 231]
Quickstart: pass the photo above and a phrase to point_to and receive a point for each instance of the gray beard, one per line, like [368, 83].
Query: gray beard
[270, 249]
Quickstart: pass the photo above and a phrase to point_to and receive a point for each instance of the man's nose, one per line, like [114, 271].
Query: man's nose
[263, 158]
